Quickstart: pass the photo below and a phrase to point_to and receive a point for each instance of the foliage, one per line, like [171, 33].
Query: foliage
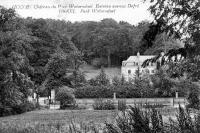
[193, 96]
[100, 104]
[163, 84]
[15, 82]
[118, 81]
[163, 43]
[122, 105]
[127, 91]
[77, 79]
[65, 96]
[101, 79]
[17, 109]
[108, 40]
[122, 91]
[94, 92]
[179, 18]
[135, 120]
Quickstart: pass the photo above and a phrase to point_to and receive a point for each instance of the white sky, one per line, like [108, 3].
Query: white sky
[131, 15]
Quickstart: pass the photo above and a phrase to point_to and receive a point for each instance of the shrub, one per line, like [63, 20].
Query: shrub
[17, 109]
[193, 100]
[127, 91]
[136, 121]
[108, 105]
[94, 92]
[66, 97]
[122, 105]
[103, 105]
[24, 107]
[100, 79]
[193, 96]
[98, 104]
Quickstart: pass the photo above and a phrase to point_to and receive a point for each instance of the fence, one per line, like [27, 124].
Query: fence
[135, 101]
[173, 102]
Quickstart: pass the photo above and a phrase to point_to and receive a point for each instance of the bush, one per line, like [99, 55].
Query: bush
[5, 111]
[136, 121]
[25, 107]
[66, 97]
[127, 91]
[94, 92]
[17, 109]
[193, 97]
[103, 105]
[193, 100]
[122, 105]
[100, 79]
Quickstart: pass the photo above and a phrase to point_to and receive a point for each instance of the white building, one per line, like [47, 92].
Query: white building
[133, 63]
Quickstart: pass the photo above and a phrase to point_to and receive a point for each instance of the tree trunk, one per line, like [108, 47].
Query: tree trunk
[109, 60]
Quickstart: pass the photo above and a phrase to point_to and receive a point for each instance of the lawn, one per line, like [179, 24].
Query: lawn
[97, 116]
[50, 120]
[58, 121]
[92, 72]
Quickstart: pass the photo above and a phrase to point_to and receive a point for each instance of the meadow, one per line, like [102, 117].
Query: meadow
[50, 121]
[64, 121]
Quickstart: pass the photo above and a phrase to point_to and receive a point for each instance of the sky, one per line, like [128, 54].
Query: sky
[131, 11]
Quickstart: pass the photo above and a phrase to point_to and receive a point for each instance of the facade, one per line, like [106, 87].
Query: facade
[133, 64]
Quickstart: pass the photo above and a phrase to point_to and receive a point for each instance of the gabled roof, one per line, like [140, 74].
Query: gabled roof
[141, 58]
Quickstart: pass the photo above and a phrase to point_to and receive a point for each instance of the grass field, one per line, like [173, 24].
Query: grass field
[64, 116]
[59, 121]
[50, 120]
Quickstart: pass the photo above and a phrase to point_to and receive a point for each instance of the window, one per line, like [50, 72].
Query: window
[129, 71]
[152, 71]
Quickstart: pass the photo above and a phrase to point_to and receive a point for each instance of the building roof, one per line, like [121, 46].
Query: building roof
[141, 58]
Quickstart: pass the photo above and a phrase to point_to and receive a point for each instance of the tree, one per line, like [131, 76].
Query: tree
[107, 40]
[105, 43]
[179, 18]
[100, 80]
[163, 43]
[15, 70]
[65, 96]
[163, 84]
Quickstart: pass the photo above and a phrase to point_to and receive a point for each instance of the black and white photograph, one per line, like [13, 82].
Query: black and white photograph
[99, 66]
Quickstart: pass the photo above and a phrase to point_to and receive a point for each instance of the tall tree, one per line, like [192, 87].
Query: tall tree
[182, 18]
[15, 83]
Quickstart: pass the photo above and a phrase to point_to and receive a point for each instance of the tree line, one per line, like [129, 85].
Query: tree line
[41, 54]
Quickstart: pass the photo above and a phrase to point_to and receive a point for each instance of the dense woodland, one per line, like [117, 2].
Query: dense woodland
[37, 55]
